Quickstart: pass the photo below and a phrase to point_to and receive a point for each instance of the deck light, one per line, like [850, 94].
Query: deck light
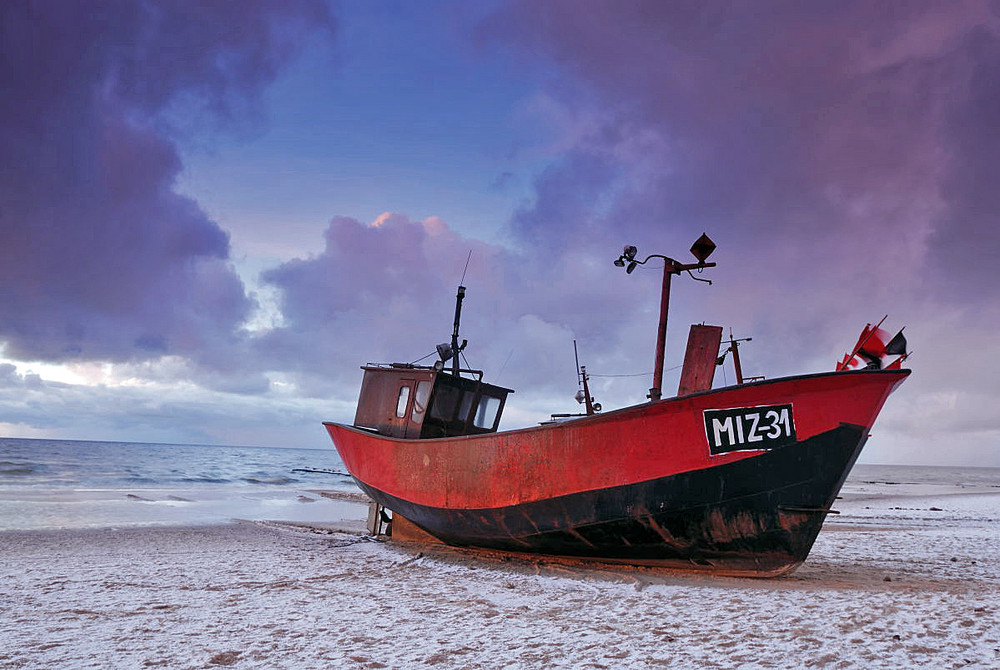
[628, 255]
[445, 351]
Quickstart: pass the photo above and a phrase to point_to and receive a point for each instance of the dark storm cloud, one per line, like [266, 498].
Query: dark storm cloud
[839, 153]
[100, 259]
[966, 244]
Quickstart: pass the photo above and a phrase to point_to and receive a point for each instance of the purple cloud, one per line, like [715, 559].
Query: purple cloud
[831, 149]
[379, 291]
[100, 258]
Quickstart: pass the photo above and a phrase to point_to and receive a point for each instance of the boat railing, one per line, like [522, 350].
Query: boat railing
[413, 366]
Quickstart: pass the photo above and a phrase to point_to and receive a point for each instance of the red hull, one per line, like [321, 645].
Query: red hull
[620, 447]
[641, 483]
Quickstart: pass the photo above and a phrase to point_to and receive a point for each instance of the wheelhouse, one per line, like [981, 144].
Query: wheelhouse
[419, 402]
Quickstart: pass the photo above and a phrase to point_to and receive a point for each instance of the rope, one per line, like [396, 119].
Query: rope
[638, 374]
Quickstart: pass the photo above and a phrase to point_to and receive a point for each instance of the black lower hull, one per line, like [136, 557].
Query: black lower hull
[758, 516]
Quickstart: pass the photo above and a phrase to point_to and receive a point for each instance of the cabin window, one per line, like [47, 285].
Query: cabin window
[445, 401]
[420, 399]
[404, 398]
[486, 413]
[463, 412]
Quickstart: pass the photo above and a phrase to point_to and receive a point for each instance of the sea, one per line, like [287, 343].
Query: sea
[70, 484]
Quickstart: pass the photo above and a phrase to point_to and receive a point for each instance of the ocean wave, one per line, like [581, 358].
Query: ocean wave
[269, 480]
[206, 480]
[16, 470]
[19, 468]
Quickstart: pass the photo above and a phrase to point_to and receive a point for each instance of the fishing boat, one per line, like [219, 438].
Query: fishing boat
[735, 480]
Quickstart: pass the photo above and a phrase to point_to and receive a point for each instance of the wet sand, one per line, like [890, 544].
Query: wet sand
[896, 581]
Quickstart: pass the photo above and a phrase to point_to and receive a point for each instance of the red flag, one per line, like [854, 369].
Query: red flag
[875, 344]
[863, 338]
[849, 362]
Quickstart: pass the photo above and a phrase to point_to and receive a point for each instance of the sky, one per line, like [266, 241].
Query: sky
[212, 214]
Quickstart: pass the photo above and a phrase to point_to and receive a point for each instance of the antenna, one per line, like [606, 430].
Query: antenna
[579, 379]
[453, 351]
[468, 258]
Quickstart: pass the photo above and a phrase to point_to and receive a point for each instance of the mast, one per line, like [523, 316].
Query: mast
[661, 333]
[581, 379]
[456, 350]
[591, 408]
[736, 358]
[701, 249]
[734, 346]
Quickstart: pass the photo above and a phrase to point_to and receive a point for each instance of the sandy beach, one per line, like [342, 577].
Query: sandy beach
[898, 580]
